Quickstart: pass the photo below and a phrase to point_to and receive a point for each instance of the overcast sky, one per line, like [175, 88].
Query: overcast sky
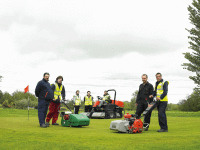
[95, 45]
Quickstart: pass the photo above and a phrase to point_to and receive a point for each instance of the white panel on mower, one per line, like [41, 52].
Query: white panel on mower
[98, 115]
[86, 113]
[68, 112]
[119, 125]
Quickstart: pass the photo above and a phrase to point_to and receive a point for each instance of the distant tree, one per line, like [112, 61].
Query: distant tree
[1, 93]
[194, 57]
[19, 95]
[7, 96]
[172, 107]
[1, 97]
[133, 100]
[127, 105]
[191, 103]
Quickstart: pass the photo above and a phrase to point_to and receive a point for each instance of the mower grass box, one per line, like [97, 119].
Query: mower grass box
[75, 120]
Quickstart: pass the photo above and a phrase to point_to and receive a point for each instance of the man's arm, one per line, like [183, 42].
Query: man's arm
[138, 97]
[84, 99]
[38, 88]
[73, 99]
[151, 91]
[154, 91]
[63, 92]
[165, 90]
[52, 87]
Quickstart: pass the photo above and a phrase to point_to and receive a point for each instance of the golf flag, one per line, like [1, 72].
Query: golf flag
[26, 89]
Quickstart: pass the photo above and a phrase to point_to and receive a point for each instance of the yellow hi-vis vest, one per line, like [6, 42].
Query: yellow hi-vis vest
[106, 98]
[88, 100]
[57, 91]
[77, 100]
[160, 91]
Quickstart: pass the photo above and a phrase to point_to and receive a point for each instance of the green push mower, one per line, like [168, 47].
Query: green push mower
[73, 120]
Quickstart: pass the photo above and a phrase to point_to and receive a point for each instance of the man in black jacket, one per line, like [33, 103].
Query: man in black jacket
[143, 100]
[44, 93]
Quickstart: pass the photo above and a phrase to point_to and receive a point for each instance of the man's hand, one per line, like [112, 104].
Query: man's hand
[150, 96]
[158, 98]
[54, 99]
[149, 105]
[135, 104]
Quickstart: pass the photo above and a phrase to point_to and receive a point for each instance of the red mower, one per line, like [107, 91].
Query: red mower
[111, 110]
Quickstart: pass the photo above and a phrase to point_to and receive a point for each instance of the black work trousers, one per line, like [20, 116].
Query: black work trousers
[162, 119]
[142, 106]
[42, 110]
[88, 108]
[76, 109]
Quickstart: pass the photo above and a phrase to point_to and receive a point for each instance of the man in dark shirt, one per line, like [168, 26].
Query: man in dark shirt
[45, 94]
[143, 100]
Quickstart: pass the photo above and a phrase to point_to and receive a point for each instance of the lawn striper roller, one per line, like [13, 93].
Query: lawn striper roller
[73, 120]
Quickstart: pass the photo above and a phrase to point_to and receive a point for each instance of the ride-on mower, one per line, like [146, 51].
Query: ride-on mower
[131, 122]
[111, 110]
[73, 120]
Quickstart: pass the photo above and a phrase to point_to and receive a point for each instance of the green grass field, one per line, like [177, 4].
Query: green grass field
[16, 132]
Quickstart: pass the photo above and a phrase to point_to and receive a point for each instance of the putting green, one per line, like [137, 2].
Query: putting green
[19, 133]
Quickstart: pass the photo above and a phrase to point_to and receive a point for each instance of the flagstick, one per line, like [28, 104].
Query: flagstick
[28, 108]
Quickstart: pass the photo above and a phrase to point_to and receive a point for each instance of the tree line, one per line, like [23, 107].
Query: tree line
[19, 100]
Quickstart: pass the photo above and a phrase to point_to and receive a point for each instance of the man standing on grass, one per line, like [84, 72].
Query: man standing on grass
[142, 101]
[77, 102]
[54, 107]
[88, 99]
[160, 91]
[44, 93]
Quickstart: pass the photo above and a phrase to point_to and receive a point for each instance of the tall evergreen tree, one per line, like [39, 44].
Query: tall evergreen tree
[194, 57]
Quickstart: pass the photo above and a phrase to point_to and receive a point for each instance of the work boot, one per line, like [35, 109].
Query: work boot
[55, 124]
[47, 124]
[163, 130]
[146, 129]
[43, 125]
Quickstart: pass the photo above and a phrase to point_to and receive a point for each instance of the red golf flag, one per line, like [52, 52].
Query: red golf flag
[26, 89]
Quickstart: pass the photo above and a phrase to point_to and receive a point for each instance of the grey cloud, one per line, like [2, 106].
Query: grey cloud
[110, 46]
[7, 20]
[120, 75]
[63, 38]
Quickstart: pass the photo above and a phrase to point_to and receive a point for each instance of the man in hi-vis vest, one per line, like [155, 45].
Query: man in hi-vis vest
[54, 106]
[160, 91]
[77, 102]
[106, 99]
[88, 99]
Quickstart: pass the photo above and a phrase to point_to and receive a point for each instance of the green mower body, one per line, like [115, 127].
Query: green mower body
[76, 120]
